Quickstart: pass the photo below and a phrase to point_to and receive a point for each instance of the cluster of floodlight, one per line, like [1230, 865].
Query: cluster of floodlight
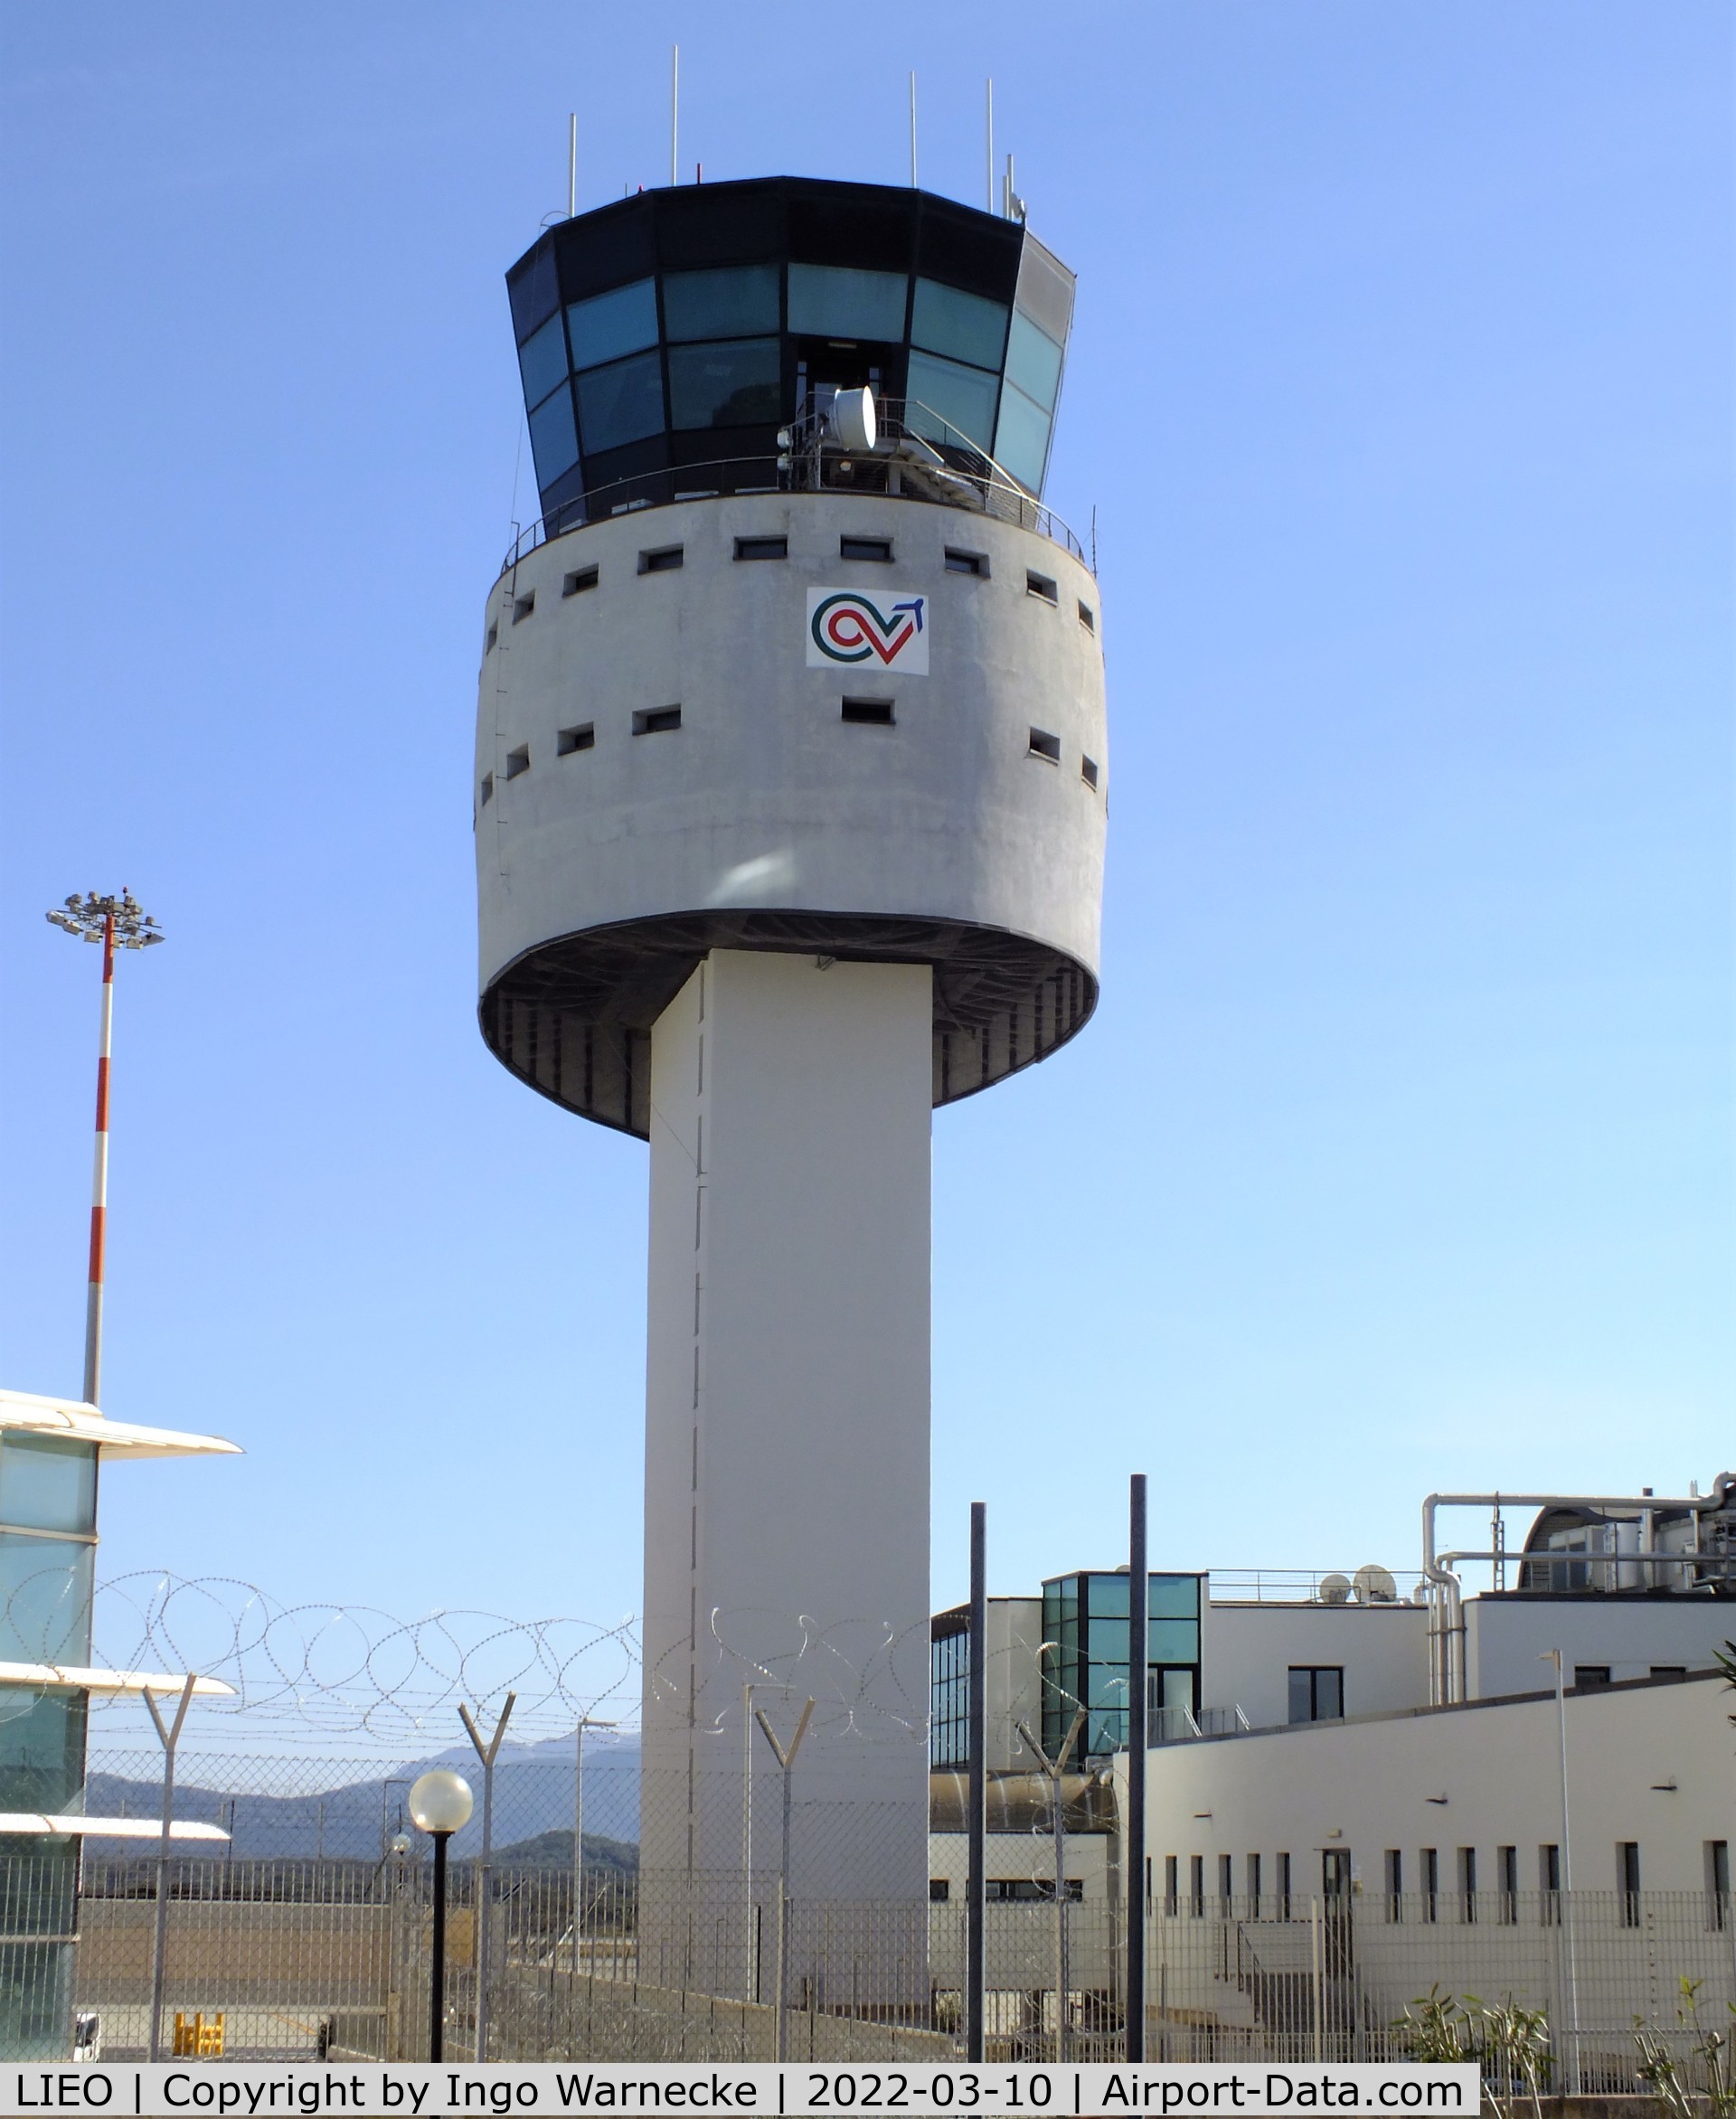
[90, 917]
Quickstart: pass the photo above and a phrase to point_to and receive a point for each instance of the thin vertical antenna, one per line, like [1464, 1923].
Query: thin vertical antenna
[912, 131]
[572, 164]
[674, 107]
[989, 144]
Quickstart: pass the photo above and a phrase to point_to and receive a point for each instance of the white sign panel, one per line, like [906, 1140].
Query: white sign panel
[849, 630]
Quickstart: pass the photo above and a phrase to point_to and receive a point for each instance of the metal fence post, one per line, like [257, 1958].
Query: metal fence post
[170, 1736]
[488, 1753]
[785, 1760]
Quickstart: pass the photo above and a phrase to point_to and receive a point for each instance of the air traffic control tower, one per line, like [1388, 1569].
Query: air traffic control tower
[789, 796]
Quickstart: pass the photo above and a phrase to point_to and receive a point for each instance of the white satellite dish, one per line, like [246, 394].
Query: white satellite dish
[853, 418]
[1335, 1588]
[1374, 1585]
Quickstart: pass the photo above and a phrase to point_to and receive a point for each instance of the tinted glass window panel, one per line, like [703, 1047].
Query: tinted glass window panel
[609, 325]
[42, 1752]
[731, 385]
[835, 301]
[1172, 1640]
[1106, 1686]
[553, 442]
[733, 303]
[1176, 1597]
[45, 1600]
[620, 404]
[1109, 1639]
[1301, 1696]
[1106, 1595]
[1033, 361]
[534, 294]
[1022, 438]
[1328, 1695]
[48, 1484]
[961, 400]
[542, 361]
[946, 320]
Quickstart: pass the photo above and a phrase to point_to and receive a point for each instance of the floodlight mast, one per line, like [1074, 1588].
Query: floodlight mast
[117, 923]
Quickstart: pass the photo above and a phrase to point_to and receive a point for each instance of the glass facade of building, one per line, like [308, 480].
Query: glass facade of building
[676, 331]
[48, 1516]
[1086, 1617]
[950, 1691]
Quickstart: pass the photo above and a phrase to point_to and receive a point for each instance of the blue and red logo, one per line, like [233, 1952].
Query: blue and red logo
[844, 626]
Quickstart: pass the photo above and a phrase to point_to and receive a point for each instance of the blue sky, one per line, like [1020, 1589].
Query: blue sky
[1399, 1155]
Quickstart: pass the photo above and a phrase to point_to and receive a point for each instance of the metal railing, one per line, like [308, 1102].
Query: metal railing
[919, 454]
[1301, 1586]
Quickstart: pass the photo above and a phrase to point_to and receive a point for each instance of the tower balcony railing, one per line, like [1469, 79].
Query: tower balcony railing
[918, 455]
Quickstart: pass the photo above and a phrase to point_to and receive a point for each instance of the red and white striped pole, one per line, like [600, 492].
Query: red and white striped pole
[117, 923]
[99, 1176]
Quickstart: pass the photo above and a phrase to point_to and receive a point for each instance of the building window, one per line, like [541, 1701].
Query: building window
[1335, 1872]
[47, 1483]
[869, 713]
[494, 635]
[1226, 1883]
[665, 560]
[1430, 1884]
[1669, 1670]
[968, 562]
[1316, 1694]
[579, 581]
[1197, 1886]
[488, 789]
[1043, 745]
[762, 548]
[1172, 1886]
[1395, 1884]
[1042, 587]
[878, 548]
[1590, 1677]
[1467, 1883]
[523, 606]
[939, 1889]
[950, 1691]
[582, 737]
[1026, 1889]
[1087, 1616]
[1506, 1862]
[1088, 771]
[1549, 1882]
[1628, 1880]
[1283, 1887]
[1717, 1884]
[1088, 618]
[518, 761]
[653, 721]
[1253, 1887]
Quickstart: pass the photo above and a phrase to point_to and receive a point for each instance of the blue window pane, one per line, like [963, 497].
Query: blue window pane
[835, 301]
[553, 442]
[41, 1749]
[1175, 1596]
[946, 320]
[1105, 1686]
[1022, 438]
[1033, 361]
[620, 404]
[1109, 1639]
[47, 1484]
[1174, 1641]
[542, 361]
[732, 302]
[44, 1600]
[959, 401]
[1109, 1595]
[731, 385]
[609, 325]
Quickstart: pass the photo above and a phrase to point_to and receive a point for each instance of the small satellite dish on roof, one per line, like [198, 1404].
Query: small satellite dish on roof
[1374, 1585]
[1335, 1588]
[853, 418]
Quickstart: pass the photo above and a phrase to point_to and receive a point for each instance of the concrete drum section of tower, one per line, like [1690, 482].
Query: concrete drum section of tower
[789, 793]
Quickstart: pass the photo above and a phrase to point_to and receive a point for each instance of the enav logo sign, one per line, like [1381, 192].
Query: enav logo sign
[886, 632]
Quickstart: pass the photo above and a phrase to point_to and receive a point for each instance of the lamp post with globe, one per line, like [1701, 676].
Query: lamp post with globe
[440, 1803]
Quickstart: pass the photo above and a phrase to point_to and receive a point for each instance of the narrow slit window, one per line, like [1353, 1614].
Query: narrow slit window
[1041, 586]
[1088, 771]
[866, 548]
[488, 789]
[968, 562]
[653, 719]
[665, 560]
[523, 606]
[1088, 618]
[1044, 745]
[518, 761]
[494, 635]
[579, 581]
[869, 713]
[762, 548]
[582, 737]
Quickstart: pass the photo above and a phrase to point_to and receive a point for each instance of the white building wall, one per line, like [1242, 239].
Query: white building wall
[1505, 1636]
[787, 1437]
[1247, 1651]
[1651, 1764]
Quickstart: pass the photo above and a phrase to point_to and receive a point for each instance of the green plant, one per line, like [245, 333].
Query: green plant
[1672, 2082]
[1510, 2045]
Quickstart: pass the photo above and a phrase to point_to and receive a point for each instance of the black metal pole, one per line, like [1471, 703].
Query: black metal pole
[436, 1956]
[977, 1822]
[1138, 1737]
